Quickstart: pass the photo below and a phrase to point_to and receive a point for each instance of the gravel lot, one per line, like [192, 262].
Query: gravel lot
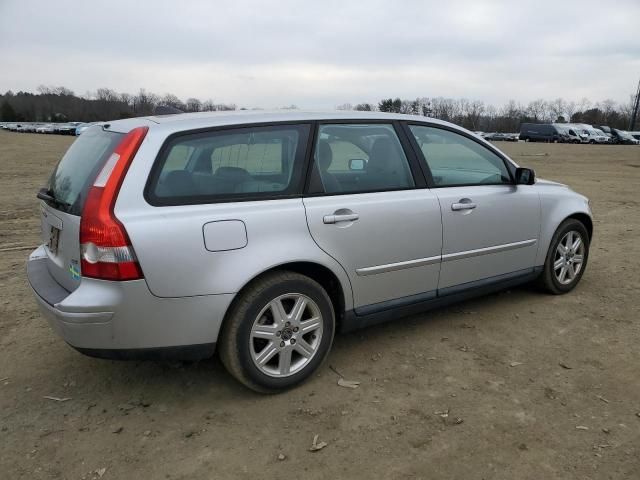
[517, 385]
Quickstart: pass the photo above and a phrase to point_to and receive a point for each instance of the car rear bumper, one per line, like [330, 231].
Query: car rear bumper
[123, 320]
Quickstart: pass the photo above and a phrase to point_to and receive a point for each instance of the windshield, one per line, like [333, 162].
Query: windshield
[79, 167]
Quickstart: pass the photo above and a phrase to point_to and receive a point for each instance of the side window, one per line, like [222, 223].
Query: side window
[457, 160]
[354, 158]
[254, 162]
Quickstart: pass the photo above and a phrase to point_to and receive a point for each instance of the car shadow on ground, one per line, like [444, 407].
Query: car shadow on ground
[171, 382]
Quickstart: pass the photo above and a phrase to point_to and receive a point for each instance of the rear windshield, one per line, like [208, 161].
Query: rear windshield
[79, 167]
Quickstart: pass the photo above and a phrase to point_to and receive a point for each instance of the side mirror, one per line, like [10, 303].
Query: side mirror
[525, 176]
[356, 164]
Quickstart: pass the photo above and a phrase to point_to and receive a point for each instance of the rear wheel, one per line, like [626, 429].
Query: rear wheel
[278, 332]
[567, 258]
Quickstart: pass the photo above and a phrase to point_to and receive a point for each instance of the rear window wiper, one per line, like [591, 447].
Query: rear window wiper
[47, 195]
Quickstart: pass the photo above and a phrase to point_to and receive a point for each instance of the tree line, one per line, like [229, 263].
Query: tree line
[477, 115]
[61, 104]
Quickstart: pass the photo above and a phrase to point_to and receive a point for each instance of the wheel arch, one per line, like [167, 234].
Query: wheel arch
[585, 219]
[557, 206]
[339, 294]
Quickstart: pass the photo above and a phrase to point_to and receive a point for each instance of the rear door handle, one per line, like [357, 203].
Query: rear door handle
[463, 206]
[347, 217]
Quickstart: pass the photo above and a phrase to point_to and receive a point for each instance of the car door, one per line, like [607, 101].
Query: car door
[367, 207]
[490, 225]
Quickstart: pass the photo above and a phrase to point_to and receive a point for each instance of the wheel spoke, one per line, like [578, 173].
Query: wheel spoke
[278, 312]
[284, 362]
[310, 325]
[570, 272]
[303, 348]
[266, 354]
[298, 309]
[578, 259]
[268, 332]
[563, 273]
[569, 240]
[562, 249]
[559, 263]
[576, 244]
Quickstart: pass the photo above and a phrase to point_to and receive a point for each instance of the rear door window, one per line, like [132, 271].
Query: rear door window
[243, 163]
[358, 158]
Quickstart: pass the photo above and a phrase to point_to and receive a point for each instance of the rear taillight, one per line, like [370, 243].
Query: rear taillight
[105, 248]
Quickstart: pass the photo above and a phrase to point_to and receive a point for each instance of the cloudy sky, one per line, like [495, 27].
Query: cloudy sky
[324, 53]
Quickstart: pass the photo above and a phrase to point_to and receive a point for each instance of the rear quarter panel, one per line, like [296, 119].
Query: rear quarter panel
[170, 245]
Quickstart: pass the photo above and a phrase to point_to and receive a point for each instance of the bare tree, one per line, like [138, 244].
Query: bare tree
[558, 108]
[172, 100]
[365, 107]
[193, 105]
[208, 106]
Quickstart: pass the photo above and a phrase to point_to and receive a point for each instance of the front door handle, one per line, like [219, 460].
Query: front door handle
[346, 217]
[464, 204]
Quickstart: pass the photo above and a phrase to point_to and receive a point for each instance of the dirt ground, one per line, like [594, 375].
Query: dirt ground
[535, 386]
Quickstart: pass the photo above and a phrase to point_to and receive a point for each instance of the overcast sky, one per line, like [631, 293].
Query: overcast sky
[324, 53]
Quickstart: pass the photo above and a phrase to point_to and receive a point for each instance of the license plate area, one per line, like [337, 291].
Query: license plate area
[54, 240]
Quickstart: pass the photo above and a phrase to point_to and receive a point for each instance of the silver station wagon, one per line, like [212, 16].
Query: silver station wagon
[265, 233]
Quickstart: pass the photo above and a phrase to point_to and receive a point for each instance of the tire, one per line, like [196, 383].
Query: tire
[253, 331]
[551, 279]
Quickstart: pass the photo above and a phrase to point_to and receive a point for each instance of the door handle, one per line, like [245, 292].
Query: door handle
[463, 206]
[346, 217]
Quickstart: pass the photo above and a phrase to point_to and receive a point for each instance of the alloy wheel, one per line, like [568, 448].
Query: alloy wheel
[569, 257]
[286, 335]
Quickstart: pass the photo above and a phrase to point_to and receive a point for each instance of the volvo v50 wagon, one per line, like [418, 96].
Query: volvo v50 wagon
[264, 233]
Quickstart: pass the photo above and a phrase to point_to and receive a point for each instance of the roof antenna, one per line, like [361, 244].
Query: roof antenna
[166, 110]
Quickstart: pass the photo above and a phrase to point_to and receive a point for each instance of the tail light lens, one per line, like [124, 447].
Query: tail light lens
[105, 249]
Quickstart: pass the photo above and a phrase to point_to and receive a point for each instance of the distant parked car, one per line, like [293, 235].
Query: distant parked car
[595, 136]
[497, 136]
[635, 135]
[624, 137]
[615, 137]
[46, 128]
[569, 133]
[66, 129]
[539, 132]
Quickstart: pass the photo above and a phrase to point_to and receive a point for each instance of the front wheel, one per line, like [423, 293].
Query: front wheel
[567, 258]
[278, 332]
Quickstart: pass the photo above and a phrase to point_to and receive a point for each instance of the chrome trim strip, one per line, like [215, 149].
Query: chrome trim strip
[484, 251]
[392, 267]
[419, 262]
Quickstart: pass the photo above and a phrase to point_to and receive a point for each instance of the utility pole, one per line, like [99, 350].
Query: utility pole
[634, 114]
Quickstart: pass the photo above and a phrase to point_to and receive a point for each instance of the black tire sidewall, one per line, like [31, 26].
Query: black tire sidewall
[306, 287]
[550, 278]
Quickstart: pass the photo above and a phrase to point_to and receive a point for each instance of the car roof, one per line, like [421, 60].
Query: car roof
[193, 121]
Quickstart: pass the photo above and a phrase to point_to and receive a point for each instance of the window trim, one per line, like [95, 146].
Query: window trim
[158, 163]
[508, 163]
[413, 162]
